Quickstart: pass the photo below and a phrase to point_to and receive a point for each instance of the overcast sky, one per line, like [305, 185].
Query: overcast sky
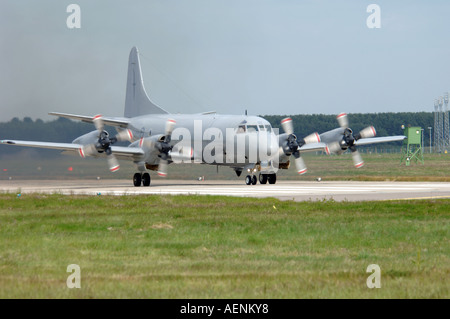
[270, 57]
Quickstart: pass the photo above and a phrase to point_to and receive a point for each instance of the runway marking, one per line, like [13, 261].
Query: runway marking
[352, 191]
[258, 192]
[414, 198]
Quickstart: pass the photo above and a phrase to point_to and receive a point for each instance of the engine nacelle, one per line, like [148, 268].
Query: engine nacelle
[88, 138]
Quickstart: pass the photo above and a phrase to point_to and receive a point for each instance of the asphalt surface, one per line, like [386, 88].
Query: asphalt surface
[284, 190]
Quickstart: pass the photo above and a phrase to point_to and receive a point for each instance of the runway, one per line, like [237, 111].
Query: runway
[284, 190]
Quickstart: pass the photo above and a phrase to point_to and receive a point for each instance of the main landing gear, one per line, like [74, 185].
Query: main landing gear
[263, 179]
[143, 179]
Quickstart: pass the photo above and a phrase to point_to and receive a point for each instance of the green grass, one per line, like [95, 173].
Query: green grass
[221, 247]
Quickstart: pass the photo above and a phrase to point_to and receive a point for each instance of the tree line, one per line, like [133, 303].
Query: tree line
[386, 124]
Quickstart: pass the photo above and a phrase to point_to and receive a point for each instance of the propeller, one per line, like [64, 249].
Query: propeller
[292, 145]
[161, 143]
[348, 140]
[164, 148]
[104, 143]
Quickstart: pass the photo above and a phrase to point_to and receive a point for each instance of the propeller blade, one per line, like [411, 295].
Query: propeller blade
[333, 148]
[287, 125]
[366, 133]
[113, 163]
[124, 135]
[342, 120]
[312, 138]
[98, 122]
[300, 165]
[147, 143]
[357, 159]
[87, 150]
[185, 154]
[162, 168]
[170, 125]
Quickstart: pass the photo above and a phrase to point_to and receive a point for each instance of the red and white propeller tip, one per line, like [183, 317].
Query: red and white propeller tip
[342, 120]
[98, 122]
[312, 138]
[332, 148]
[357, 159]
[300, 166]
[87, 150]
[368, 132]
[287, 125]
[113, 163]
[125, 135]
[170, 125]
[162, 168]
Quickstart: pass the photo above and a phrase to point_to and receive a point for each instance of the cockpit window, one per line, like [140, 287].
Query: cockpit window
[240, 129]
[268, 128]
[252, 128]
[261, 128]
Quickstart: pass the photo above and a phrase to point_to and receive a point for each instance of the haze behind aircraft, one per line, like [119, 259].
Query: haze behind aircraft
[157, 138]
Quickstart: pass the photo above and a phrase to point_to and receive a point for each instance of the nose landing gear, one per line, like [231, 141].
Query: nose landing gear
[250, 180]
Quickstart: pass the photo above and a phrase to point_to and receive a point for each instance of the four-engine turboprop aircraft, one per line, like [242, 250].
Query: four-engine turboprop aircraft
[157, 138]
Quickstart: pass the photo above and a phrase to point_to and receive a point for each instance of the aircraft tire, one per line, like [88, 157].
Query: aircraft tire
[272, 178]
[146, 180]
[248, 180]
[254, 180]
[137, 179]
[263, 178]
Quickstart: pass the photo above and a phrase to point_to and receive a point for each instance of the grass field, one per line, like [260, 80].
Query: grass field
[217, 247]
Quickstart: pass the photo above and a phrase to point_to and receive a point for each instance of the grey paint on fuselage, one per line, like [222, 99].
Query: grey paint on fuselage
[147, 126]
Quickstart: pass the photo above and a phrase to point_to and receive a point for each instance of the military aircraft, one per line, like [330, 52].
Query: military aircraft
[157, 138]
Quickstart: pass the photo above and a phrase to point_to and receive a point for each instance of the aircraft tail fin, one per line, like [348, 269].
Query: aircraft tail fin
[137, 101]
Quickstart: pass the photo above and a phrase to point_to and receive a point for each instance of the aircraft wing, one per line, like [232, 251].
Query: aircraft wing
[119, 151]
[56, 146]
[112, 121]
[374, 140]
[312, 147]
